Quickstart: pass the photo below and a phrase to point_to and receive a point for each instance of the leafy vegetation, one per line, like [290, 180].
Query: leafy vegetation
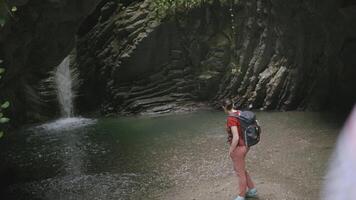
[6, 11]
[3, 106]
[164, 8]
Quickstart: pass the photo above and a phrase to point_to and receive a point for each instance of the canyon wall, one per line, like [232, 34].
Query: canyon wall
[268, 54]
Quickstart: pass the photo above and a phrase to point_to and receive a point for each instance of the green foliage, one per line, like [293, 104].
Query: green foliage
[6, 11]
[2, 70]
[4, 120]
[3, 106]
[163, 8]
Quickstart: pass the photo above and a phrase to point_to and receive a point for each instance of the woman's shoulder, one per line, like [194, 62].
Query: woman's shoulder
[233, 115]
[232, 121]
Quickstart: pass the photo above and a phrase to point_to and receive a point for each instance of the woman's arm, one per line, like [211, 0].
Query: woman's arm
[235, 138]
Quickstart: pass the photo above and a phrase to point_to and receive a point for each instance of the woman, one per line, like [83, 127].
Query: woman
[238, 151]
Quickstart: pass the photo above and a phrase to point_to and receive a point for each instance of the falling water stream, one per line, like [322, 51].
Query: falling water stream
[65, 78]
[64, 81]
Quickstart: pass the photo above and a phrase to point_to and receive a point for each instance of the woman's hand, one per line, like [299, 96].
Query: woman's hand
[231, 150]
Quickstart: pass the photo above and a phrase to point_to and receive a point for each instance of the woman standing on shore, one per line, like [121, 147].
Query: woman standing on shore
[238, 151]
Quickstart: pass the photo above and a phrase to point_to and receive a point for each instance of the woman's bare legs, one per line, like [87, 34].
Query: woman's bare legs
[250, 183]
[238, 159]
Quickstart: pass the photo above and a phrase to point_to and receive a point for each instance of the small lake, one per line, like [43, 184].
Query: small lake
[152, 157]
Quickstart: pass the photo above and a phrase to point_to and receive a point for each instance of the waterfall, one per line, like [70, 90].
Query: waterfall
[62, 84]
[65, 80]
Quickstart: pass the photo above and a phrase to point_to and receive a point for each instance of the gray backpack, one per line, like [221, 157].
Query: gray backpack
[249, 126]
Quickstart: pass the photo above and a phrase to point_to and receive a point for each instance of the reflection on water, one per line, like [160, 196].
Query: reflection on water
[121, 158]
[77, 158]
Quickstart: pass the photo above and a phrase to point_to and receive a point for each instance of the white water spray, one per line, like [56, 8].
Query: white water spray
[63, 83]
[65, 80]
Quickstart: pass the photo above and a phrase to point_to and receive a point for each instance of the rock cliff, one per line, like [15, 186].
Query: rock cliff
[133, 62]
[269, 54]
[32, 44]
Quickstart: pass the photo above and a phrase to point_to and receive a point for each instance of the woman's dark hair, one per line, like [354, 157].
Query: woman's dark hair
[227, 103]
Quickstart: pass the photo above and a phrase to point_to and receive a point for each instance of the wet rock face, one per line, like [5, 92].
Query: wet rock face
[288, 54]
[279, 55]
[269, 54]
[31, 45]
[137, 63]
